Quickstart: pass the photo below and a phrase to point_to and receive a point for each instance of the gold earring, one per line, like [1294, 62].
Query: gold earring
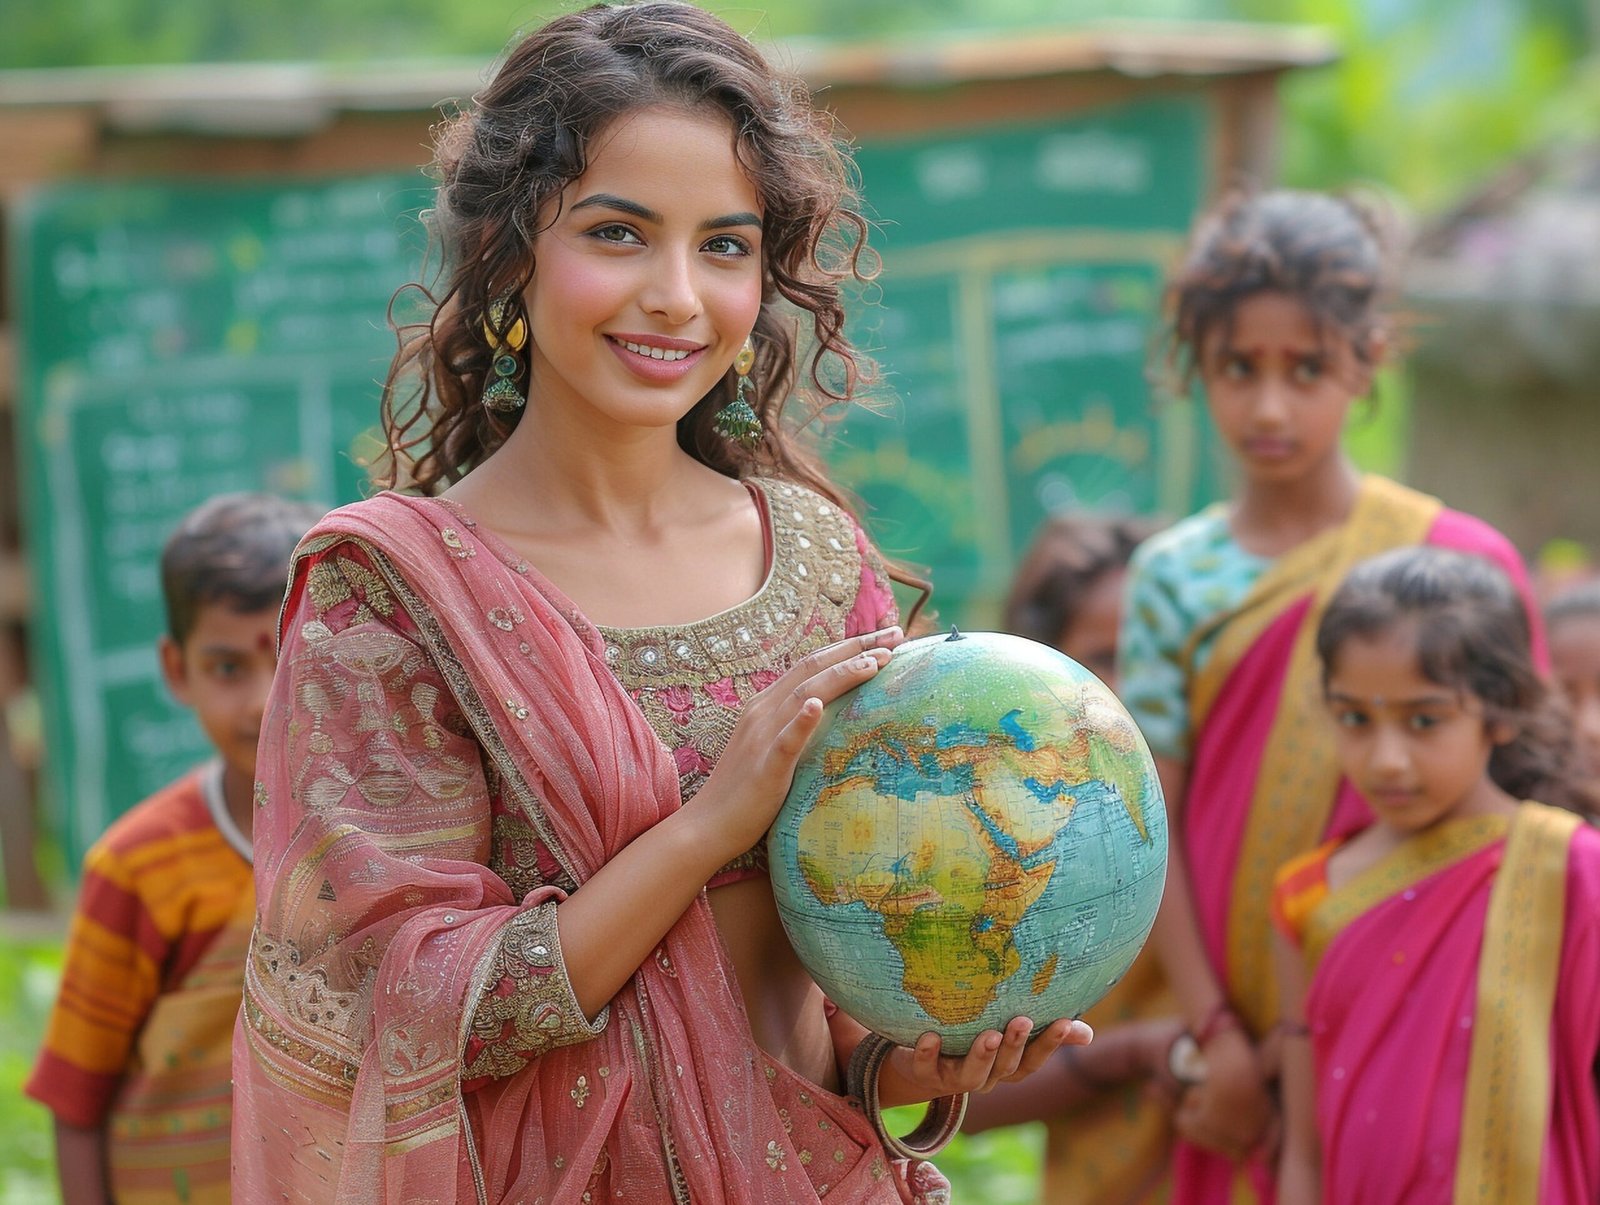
[738, 420]
[501, 393]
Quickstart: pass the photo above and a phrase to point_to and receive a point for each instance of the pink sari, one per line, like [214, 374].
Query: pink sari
[1406, 993]
[1263, 786]
[379, 918]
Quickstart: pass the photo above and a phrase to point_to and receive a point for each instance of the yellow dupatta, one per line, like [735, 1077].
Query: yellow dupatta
[1507, 1110]
[1295, 788]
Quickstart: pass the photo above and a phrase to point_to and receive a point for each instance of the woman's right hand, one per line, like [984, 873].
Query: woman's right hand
[1230, 1111]
[742, 796]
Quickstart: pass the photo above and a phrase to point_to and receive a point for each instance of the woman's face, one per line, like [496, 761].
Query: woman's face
[1279, 388]
[650, 278]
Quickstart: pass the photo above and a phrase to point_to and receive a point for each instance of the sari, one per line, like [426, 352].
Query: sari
[1116, 1148]
[1264, 784]
[1461, 969]
[389, 960]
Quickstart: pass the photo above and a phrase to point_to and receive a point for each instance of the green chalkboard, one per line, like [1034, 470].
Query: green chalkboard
[179, 340]
[1013, 321]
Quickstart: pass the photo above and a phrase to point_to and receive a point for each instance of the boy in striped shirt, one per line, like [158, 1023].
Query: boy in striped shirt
[136, 1059]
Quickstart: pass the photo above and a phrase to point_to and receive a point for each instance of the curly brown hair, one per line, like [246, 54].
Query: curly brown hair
[1330, 251]
[502, 167]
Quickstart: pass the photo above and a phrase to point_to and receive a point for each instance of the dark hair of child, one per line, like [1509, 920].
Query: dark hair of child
[1328, 251]
[232, 549]
[502, 168]
[1473, 638]
[1069, 553]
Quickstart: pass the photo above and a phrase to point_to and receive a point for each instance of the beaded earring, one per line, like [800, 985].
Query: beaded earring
[738, 420]
[500, 393]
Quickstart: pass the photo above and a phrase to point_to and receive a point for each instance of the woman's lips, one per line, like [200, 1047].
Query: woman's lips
[656, 358]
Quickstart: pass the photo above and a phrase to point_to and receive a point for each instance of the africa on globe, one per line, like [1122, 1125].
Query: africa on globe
[976, 834]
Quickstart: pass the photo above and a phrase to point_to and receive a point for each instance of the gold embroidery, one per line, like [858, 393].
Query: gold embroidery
[339, 579]
[580, 1092]
[691, 681]
[304, 994]
[540, 1012]
[775, 1158]
[514, 854]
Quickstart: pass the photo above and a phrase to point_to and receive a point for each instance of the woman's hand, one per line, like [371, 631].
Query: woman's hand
[1230, 1111]
[923, 1073]
[739, 800]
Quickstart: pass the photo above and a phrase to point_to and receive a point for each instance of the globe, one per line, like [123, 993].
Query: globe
[975, 834]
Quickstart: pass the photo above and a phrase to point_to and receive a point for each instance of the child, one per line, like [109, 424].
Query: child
[1439, 969]
[1106, 1106]
[1278, 312]
[516, 940]
[135, 1064]
[1573, 621]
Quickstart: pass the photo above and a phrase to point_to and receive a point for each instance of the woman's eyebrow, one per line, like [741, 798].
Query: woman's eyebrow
[607, 200]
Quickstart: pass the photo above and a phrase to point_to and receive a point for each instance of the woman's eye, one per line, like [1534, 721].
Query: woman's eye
[1350, 719]
[614, 232]
[727, 244]
[1421, 723]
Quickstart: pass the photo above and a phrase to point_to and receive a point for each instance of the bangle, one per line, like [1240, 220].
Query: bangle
[1220, 1018]
[933, 1132]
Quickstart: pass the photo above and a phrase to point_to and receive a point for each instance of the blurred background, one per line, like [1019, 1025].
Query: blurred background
[208, 204]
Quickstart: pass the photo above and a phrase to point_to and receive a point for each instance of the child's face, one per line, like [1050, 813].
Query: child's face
[1279, 388]
[1575, 656]
[224, 671]
[647, 284]
[1418, 752]
[1090, 636]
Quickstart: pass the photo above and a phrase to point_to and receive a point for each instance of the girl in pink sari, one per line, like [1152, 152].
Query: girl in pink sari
[515, 941]
[1278, 313]
[1439, 969]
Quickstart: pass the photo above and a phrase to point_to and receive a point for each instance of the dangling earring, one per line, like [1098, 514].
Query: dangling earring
[738, 420]
[501, 394]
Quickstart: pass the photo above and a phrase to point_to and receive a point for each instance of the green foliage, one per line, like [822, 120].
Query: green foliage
[999, 1167]
[1429, 102]
[28, 974]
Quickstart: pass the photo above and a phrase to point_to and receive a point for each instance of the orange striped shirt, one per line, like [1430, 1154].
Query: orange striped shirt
[139, 1041]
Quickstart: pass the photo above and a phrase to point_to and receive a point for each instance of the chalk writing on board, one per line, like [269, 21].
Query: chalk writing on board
[181, 340]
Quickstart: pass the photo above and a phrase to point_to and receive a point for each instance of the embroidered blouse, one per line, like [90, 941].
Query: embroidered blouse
[823, 582]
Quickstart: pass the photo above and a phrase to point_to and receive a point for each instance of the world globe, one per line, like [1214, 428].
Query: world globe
[975, 834]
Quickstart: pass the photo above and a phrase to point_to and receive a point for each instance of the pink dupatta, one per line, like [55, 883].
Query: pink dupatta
[379, 917]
